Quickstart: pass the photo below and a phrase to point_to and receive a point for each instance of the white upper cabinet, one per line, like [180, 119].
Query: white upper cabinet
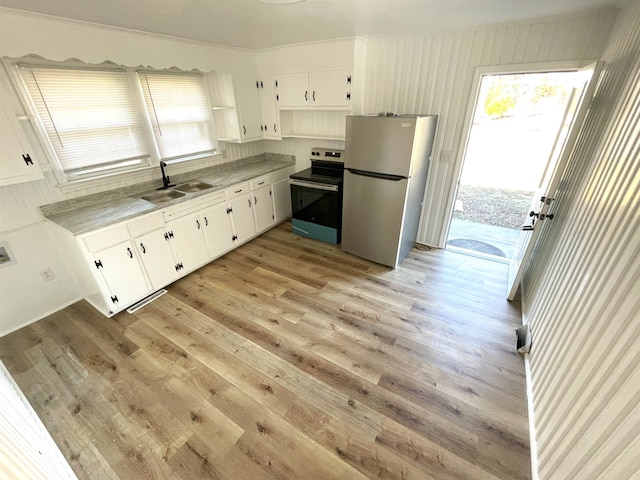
[330, 89]
[292, 90]
[17, 164]
[326, 89]
[270, 120]
[248, 103]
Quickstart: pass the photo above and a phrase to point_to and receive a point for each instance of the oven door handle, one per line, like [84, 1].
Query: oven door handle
[313, 185]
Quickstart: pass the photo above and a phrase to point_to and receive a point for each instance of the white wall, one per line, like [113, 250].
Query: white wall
[582, 291]
[433, 74]
[24, 296]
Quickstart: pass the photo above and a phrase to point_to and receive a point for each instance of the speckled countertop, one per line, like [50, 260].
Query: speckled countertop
[85, 214]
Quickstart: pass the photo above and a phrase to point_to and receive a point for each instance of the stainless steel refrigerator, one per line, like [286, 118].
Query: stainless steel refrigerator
[386, 164]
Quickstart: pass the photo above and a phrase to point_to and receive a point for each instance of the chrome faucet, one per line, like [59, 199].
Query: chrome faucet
[166, 183]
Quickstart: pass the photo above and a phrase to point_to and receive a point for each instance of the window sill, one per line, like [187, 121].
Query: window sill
[122, 179]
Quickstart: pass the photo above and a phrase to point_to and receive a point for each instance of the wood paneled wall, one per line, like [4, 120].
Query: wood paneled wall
[434, 74]
[582, 290]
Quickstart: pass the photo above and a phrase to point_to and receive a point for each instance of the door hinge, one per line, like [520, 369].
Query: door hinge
[348, 95]
[179, 266]
[234, 238]
[98, 263]
[27, 159]
[114, 299]
[348, 79]
[229, 210]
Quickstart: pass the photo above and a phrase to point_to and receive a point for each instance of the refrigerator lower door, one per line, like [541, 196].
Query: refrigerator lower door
[372, 217]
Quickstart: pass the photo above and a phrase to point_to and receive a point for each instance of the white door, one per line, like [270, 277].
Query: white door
[155, 253]
[575, 113]
[122, 274]
[218, 229]
[281, 200]
[330, 88]
[248, 103]
[263, 208]
[17, 164]
[242, 215]
[292, 90]
[188, 243]
[269, 109]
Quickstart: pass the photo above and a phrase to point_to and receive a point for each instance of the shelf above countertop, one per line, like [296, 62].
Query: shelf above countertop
[313, 137]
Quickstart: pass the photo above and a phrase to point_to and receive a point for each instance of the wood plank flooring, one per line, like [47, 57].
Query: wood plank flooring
[289, 359]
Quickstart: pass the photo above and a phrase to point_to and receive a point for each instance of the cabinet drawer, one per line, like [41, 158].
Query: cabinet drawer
[260, 182]
[106, 238]
[145, 224]
[238, 190]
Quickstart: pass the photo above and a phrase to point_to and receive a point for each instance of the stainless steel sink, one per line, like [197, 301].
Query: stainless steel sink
[194, 186]
[161, 196]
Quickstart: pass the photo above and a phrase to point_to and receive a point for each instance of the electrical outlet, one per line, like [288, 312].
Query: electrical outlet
[47, 275]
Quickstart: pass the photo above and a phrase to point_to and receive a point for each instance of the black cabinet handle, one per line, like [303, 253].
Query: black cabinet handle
[306, 97]
[277, 98]
[237, 191]
[206, 222]
[244, 129]
[261, 84]
[144, 250]
[257, 84]
[261, 128]
[276, 83]
[129, 252]
[198, 223]
[255, 200]
[274, 128]
[314, 95]
[249, 200]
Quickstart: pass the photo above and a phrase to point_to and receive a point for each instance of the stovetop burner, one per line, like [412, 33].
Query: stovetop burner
[326, 167]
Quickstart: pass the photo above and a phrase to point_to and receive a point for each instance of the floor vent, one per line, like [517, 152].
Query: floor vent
[146, 301]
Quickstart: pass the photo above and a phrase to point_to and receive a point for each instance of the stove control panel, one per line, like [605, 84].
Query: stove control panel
[325, 154]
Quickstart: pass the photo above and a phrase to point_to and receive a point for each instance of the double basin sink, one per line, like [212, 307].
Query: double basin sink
[159, 197]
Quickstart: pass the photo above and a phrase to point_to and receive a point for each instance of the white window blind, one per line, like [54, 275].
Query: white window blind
[179, 112]
[90, 118]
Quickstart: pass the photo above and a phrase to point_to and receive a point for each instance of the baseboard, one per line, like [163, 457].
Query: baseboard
[533, 446]
[29, 322]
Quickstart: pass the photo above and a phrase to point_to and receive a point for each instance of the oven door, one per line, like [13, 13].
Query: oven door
[316, 203]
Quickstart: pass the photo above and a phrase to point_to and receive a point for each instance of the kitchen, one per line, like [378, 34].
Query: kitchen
[438, 84]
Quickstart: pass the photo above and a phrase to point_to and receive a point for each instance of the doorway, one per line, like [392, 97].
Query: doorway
[516, 121]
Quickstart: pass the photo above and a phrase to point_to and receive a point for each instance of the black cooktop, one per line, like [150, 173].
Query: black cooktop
[322, 171]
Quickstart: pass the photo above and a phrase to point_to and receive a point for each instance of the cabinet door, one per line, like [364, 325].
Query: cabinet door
[331, 88]
[17, 165]
[157, 258]
[269, 109]
[263, 208]
[248, 105]
[186, 237]
[218, 229]
[292, 90]
[122, 274]
[281, 200]
[242, 216]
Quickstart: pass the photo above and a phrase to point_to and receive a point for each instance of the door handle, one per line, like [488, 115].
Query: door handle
[144, 250]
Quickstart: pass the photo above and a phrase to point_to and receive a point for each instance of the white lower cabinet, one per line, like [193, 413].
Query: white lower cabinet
[122, 274]
[244, 226]
[263, 208]
[218, 229]
[186, 238]
[157, 258]
[121, 264]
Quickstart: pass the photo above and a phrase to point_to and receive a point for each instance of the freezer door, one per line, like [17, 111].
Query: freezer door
[372, 220]
[380, 144]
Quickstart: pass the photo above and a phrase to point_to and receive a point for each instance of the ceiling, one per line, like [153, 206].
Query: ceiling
[254, 25]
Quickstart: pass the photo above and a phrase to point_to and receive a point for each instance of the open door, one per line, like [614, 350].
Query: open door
[538, 215]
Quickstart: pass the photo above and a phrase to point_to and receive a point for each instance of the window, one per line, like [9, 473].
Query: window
[94, 122]
[89, 117]
[179, 112]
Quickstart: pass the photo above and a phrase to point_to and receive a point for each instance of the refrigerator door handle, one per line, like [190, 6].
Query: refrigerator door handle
[381, 176]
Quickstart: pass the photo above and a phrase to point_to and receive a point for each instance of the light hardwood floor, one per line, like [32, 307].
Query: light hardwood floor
[289, 359]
